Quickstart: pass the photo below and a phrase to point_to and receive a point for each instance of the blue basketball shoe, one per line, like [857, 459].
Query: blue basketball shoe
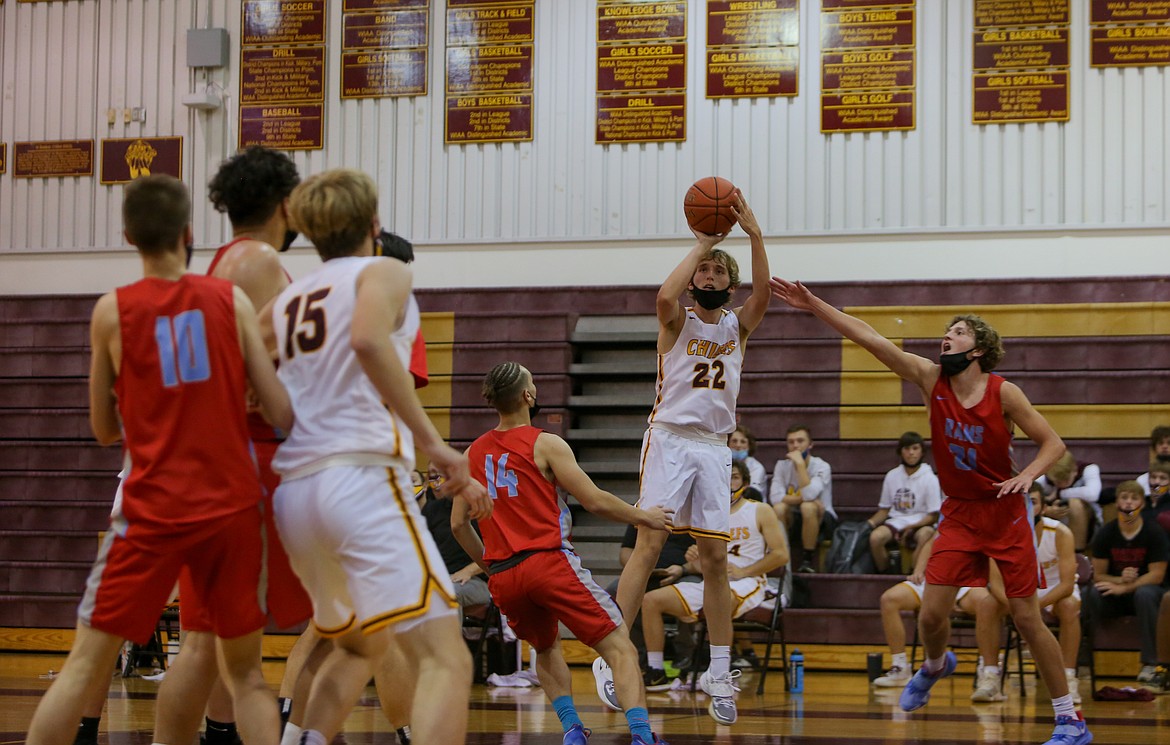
[917, 691]
[1070, 731]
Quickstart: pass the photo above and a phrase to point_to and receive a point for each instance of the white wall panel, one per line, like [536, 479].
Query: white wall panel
[66, 63]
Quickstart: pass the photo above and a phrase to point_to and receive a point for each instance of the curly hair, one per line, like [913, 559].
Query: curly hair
[986, 340]
[250, 185]
[503, 387]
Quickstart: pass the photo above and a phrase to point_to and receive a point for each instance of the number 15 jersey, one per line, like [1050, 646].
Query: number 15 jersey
[698, 379]
[340, 416]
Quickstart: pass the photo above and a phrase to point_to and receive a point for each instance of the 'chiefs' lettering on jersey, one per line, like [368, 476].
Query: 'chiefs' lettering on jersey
[698, 379]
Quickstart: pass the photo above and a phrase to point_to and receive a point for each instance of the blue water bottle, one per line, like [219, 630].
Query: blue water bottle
[796, 672]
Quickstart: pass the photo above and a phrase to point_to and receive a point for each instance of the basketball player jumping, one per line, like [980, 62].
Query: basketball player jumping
[987, 515]
[685, 463]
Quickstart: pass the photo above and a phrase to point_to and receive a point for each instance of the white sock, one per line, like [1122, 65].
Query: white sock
[720, 660]
[1070, 672]
[312, 737]
[292, 734]
[991, 670]
[899, 660]
[655, 660]
[935, 665]
[1064, 706]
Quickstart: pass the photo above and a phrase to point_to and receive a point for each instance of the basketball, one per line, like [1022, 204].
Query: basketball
[707, 205]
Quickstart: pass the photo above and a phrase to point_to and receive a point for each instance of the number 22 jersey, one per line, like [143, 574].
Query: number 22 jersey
[698, 379]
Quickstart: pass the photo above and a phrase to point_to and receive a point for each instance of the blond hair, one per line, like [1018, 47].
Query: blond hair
[1064, 469]
[1130, 487]
[335, 210]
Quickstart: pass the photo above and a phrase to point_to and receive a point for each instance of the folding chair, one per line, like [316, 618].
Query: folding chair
[761, 619]
[484, 618]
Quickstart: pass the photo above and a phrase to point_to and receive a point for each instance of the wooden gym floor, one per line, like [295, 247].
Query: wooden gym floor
[835, 708]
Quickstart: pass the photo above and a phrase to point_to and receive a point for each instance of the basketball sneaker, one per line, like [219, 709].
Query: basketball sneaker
[722, 692]
[987, 689]
[1070, 731]
[577, 735]
[657, 741]
[917, 691]
[1158, 684]
[1147, 673]
[603, 677]
[895, 677]
[655, 680]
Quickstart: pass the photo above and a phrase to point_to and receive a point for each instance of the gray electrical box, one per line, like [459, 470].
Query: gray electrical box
[207, 47]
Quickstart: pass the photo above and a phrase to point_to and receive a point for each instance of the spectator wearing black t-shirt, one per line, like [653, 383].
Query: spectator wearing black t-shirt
[1129, 566]
[470, 585]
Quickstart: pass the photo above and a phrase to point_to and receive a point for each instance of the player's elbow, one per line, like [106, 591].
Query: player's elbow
[105, 433]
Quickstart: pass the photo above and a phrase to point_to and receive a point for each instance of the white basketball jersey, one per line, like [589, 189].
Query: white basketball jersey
[747, 545]
[698, 379]
[1046, 551]
[338, 410]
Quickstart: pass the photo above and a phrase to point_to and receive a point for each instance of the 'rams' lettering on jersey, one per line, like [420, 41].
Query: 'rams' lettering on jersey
[709, 349]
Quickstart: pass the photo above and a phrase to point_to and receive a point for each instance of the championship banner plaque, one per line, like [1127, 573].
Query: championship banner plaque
[52, 158]
[869, 65]
[384, 48]
[642, 118]
[270, 22]
[752, 48]
[283, 126]
[125, 159]
[1004, 98]
[1129, 33]
[282, 74]
[1020, 58]
[641, 71]
[489, 64]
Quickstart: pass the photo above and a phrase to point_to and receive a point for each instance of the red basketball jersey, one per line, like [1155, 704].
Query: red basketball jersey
[972, 447]
[527, 513]
[260, 430]
[181, 398]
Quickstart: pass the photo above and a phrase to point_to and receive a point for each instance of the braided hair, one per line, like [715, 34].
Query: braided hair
[503, 388]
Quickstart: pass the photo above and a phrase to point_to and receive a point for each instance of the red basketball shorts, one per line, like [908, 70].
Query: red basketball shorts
[552, 586]
[129, 586]
[288, 603]
[973, 531]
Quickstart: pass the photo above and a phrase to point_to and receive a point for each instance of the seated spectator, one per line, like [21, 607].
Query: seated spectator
[802, 493]
[1159, 451]
[909, 505]
[757, 546]
[1129, 564]
[743, 448]
[1061, 597]
[470, 583]
[741, 482]
[1158, 509]
[907, 596]
[1160, 682]
[1071, 493]
[678, 562]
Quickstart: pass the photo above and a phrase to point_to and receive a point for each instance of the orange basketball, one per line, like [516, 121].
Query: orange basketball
[707, 205]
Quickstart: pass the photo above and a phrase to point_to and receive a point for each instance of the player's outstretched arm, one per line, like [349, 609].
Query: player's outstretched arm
[274, 401]
[756, 305]
[918, 370]
[554, 453]
[666, 305]
[104, 336]
[1019, 410]
[382, 291]
[464, 534]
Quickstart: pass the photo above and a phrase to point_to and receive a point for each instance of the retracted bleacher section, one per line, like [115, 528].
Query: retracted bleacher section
[1093, 355]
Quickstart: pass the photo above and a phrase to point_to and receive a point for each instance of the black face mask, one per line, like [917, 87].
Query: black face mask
[1162, 458]
[190, 252]
[533, 410]
[955, 363]
[711, 299]
[289, 237]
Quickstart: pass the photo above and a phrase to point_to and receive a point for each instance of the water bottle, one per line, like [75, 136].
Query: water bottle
[796, 672]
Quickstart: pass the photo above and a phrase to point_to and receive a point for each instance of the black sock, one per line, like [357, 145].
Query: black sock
[87, 730]
[404, 734]
[220, 733]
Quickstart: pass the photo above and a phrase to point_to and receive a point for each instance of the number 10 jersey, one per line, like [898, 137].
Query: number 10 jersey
[340, 416]
[698, 379]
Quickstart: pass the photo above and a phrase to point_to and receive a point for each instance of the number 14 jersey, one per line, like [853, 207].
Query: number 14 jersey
[698, 379]
[340, 416]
